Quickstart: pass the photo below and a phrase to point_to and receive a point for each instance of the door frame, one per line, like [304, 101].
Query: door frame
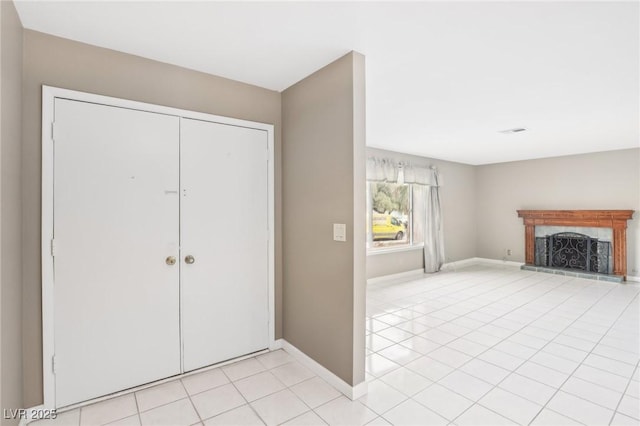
[49, 95]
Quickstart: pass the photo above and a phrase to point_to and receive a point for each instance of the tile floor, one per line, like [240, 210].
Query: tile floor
[492, 346]
[478, 346]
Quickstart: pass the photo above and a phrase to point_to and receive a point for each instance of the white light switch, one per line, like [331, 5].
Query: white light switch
[339, 232]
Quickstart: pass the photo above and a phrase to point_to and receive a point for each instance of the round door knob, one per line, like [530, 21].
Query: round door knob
[189, 260]
[170, 260]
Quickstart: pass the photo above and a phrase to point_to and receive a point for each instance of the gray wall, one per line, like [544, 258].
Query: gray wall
[459, 211]
[64, 63]
[394, 262]
[605, 180]
[10, 209]
[323, 173]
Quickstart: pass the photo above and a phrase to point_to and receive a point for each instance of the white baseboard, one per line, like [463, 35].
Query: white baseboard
[351, 392]
[509, 263]
[416, 273]
[633, 278]
[452, 266]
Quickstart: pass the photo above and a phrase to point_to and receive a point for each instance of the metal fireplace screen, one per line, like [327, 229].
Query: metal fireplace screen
[570, 250]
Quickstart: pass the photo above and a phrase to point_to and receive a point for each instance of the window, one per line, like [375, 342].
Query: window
[395, 215]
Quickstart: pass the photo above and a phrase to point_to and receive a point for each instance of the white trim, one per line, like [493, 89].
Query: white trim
[276, 345]
[271, 223]
[48, 378]
[373, 251]
[49, 94]
[395, 277]
[633, 278]
[160, 109]
[508, 263]
[452, 266]
[351, 392]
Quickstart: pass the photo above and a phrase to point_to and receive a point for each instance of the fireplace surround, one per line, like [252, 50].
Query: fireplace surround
[613, 219]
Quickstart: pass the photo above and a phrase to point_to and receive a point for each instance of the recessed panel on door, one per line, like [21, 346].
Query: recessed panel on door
[116, 217]
[224, 237]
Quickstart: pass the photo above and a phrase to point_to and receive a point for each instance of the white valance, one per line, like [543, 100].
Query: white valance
[382, 170]
[392, 171]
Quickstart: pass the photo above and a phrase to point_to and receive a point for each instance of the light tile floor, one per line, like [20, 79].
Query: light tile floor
[479, 346]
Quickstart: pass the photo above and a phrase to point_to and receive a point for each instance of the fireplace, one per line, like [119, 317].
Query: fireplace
[585, 243]
[575, 251]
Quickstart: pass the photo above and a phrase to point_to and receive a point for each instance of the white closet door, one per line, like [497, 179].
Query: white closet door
[223, 225]
[116, 217]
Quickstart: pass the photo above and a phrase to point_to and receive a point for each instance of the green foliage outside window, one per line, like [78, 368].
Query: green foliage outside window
[388, 198]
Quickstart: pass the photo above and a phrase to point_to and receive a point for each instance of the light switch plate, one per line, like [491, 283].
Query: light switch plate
[339, 232]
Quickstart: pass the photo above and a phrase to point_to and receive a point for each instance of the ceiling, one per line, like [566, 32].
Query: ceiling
[443, 78]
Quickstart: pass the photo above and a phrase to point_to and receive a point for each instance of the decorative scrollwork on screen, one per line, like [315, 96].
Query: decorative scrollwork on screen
[571, 250]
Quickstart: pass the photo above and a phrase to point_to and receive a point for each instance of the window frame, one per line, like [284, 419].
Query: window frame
[411, 245]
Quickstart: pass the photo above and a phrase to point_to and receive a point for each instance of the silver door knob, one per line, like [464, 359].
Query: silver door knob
[189, 260]
[170, 260]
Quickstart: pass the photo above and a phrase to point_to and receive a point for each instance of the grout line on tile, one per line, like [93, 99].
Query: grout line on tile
[190, 401]
[623, 393]
[525, 325]
[574, 370]
[560, 305]
[135, 398]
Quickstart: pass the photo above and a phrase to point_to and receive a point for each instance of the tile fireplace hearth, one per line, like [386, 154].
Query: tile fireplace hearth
[579, 246]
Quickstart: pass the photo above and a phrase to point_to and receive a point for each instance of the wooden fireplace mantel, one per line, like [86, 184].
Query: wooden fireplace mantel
[615, 219]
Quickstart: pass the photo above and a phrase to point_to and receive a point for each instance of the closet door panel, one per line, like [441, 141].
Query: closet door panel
[224, 227]
[116, 217]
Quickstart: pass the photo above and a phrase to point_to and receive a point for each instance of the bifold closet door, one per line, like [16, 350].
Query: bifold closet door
[224, 237]
[116, 217]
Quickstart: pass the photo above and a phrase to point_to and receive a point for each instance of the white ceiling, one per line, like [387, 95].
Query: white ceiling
[443, 78]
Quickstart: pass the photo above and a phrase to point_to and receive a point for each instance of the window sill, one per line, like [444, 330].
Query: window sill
[375, 252]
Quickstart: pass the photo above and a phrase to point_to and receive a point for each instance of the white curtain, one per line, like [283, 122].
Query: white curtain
[428, 181]
[433, 235]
